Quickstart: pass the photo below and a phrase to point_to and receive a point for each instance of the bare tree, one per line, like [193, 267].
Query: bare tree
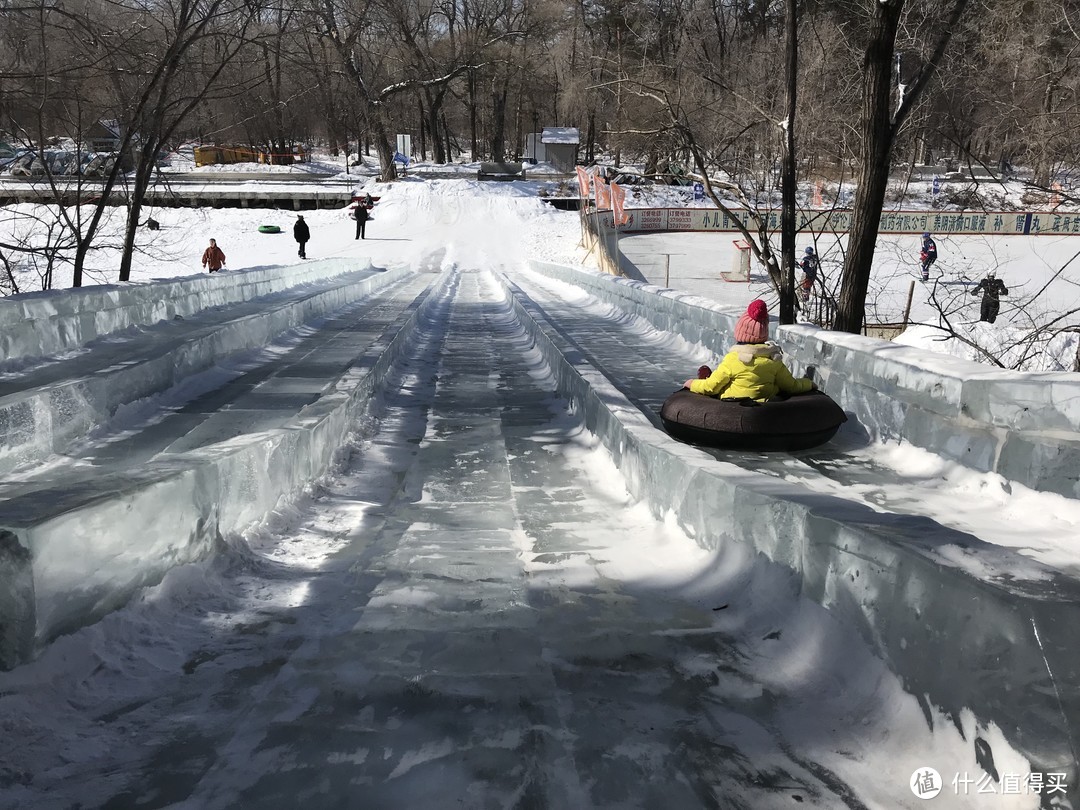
[880, 125]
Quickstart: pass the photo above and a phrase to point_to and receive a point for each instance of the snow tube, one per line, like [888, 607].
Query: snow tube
[788, 423]
[269, 229]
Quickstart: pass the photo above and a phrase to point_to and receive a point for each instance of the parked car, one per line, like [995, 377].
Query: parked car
[631, 179]
[9, 160]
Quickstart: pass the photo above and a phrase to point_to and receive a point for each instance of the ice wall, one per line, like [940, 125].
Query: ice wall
[46, 417]
[71, 552]
[1021, 425]
[55, 321]
[951, 614]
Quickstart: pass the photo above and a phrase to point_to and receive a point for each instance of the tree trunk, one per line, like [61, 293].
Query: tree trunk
[380, 134]
[498, 121]
[143, 173]
[434, 107]
[877, 141]
[590, 138]
[472, 117]
[789, 171]
[878, 134]
[423, 127]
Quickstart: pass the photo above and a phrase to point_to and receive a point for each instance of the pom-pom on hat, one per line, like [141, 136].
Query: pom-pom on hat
[753, 327]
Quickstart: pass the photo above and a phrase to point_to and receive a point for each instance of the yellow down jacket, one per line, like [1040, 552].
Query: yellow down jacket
[751, 370]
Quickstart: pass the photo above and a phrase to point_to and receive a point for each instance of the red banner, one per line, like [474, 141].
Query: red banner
[603, 194]
[618, 204]
[583, 182]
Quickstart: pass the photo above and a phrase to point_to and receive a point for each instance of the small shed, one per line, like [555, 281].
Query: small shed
[560, 147]
[103, 136]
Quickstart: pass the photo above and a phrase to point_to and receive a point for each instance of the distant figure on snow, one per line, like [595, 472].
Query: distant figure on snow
[810, 266]
[360, 214]
[992, 289]
[213, 257]
[301, 234]
[927, 256]
[753, 368]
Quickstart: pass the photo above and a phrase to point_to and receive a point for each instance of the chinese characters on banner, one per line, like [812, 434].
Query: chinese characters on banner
[938, 223]
[583, 183]
[603, 194]
[618, 204]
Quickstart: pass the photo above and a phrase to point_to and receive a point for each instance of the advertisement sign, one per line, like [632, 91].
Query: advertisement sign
[936, 222]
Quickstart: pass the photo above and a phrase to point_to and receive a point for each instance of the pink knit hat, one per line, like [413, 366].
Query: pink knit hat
[753, 327]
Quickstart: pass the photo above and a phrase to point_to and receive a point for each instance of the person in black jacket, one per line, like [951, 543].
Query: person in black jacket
[928, 255]
[810, 266]
[360, 214]
[992, 289]
[301, 234]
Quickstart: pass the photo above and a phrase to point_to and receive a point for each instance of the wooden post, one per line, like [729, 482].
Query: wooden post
[910, 295]
[667, 270]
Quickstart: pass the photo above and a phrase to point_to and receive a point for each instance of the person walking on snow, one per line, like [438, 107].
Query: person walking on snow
[992, 289]
[213, 257]
[810, 266]
[928, 255]
[301, 234]
[753, 368]
[360, 214]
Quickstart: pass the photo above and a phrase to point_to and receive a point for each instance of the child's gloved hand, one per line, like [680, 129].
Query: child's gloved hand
[704, 372]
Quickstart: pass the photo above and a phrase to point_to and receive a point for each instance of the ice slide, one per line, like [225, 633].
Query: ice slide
[471, 611]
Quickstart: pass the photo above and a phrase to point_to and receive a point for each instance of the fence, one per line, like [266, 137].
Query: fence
[599, 233]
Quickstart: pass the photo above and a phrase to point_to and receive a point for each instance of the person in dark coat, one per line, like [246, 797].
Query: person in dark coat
[301, 234]
[810, 266]
[928, 255]
[360, 214]
[992, 289]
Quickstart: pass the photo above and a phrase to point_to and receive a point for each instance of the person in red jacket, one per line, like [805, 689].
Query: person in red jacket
[213, 257]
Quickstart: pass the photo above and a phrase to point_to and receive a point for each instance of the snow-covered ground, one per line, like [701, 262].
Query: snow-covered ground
[1041, 272]
[471, 606]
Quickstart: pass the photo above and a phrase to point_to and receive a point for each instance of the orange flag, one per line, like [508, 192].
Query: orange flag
[618, 204]
[603, 194]
[583, 182]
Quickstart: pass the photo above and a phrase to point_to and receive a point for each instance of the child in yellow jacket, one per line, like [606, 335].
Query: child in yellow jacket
[752, 369]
